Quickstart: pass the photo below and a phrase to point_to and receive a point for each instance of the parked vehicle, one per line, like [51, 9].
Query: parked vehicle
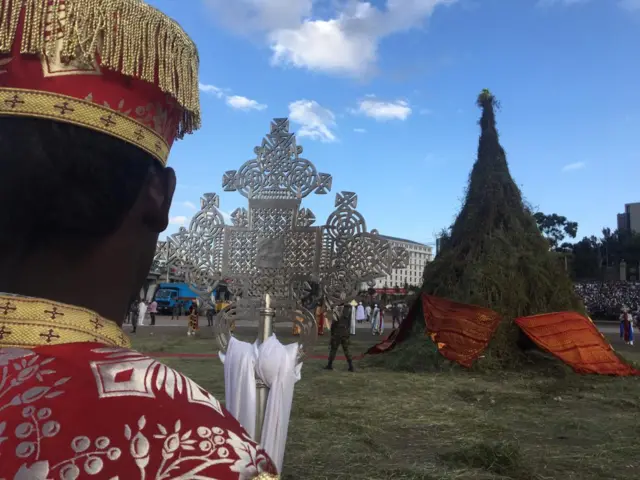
[169, 294]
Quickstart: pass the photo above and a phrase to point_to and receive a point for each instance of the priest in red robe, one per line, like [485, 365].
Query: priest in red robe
[92, 95]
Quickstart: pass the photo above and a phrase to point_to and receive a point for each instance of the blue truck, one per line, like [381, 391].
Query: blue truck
[169, 294]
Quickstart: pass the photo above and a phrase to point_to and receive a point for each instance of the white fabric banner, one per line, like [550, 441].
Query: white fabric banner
[277, 368]
[240, 382]
[275, 364]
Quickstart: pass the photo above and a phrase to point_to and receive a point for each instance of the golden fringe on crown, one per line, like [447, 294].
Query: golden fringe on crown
[132, 38]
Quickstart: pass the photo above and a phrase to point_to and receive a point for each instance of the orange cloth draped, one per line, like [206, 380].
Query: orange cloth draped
[576, 341]
[461, 332]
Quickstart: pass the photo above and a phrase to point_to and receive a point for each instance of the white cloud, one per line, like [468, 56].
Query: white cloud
[359, 130]
[234, 101]
[380, 110]
[324, 46]
[178, 220]
[343, 41]
[573, 166]
[243, 103]
[212, 89]
[189, 205]
[316, 121]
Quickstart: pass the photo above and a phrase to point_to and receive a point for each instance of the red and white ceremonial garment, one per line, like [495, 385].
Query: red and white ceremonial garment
[93, 409]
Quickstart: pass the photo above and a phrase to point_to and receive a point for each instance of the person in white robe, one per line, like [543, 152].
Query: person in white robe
[142, 311]
[367, 312]
[361, 315]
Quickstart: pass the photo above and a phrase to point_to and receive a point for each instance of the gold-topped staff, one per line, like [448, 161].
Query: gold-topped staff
[265, 329]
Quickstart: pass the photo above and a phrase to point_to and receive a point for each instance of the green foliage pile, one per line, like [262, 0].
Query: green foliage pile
[417, 354]
[495, 255]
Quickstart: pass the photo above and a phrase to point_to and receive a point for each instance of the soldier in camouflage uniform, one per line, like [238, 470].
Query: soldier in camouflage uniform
[340, 336]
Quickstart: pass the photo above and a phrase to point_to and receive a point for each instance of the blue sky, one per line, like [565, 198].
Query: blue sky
[382, 96]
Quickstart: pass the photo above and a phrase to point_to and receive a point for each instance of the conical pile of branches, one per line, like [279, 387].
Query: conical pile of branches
[494, 254]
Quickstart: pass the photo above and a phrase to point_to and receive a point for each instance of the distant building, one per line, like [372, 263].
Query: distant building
[622, 221]
[419, 255]
[630, 220]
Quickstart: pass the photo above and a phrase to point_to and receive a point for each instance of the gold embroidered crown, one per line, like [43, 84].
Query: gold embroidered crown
[119, 67]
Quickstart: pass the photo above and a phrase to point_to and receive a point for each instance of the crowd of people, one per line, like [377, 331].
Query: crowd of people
[140, 310]
[373, 314]
[605, 299]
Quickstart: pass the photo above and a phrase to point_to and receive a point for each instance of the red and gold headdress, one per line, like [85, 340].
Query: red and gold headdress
[119, 67]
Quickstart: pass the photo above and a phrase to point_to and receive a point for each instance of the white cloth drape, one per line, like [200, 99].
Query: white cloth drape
[240, 382]
[275, 364]
[277, 368]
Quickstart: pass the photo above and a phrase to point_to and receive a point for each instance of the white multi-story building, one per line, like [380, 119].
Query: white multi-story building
[419, 255]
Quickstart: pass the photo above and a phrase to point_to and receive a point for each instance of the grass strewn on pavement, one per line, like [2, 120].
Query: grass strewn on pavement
[375, 424]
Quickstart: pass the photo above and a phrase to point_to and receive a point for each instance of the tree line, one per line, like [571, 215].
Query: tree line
[591, 258]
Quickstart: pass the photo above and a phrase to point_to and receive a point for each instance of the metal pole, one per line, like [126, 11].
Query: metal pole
[265, 329]
[166, 263]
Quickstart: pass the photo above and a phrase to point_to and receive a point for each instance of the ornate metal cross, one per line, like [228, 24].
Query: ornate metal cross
[273, 247]
[273, 250]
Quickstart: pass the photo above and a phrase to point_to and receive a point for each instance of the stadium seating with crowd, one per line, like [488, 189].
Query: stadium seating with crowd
[604, 300]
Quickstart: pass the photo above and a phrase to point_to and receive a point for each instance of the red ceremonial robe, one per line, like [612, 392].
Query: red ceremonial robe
[96, 410]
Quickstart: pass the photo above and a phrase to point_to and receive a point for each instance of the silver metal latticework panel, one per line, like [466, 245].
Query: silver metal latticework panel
[273, 247]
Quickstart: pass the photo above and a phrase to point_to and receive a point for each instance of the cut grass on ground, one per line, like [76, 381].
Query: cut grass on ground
[377, 424]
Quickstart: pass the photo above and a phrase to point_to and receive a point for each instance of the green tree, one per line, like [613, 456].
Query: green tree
[495, 255]
[556, 228]
[586, 259]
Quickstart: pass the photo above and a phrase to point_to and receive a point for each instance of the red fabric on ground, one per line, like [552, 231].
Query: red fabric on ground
[576, 341]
